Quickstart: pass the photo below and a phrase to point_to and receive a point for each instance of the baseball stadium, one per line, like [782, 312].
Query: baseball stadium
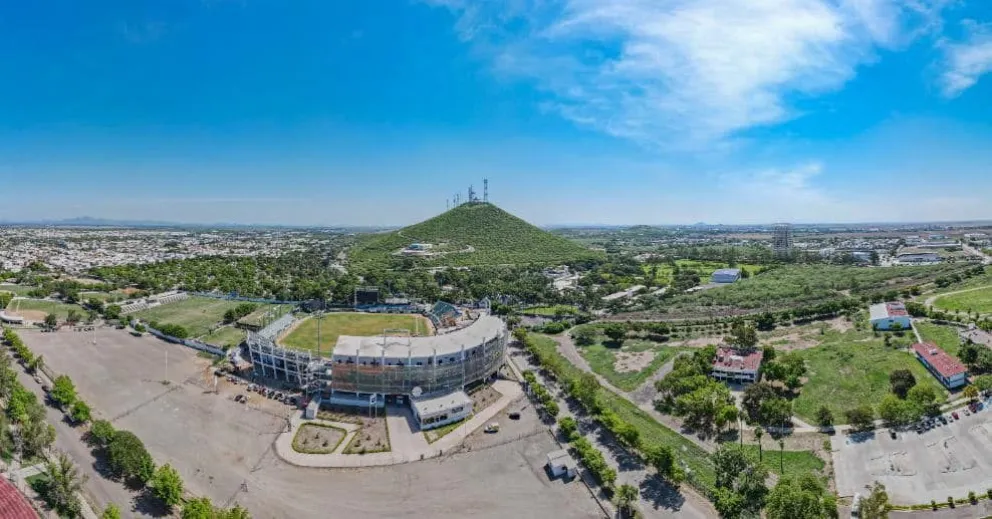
[429, 372]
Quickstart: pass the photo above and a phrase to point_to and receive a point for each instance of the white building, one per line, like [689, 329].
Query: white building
[737, 366]
[441, 410]
[885, 316]
[561, 463]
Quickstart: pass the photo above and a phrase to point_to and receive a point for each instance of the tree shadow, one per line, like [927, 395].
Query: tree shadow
[661, 494]
[626, 461]
[147, 504]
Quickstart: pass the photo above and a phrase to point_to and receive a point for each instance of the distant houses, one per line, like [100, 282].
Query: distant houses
[887, 316]
[948, 370]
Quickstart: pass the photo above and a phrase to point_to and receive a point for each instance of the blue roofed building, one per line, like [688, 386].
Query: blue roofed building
[726, 276]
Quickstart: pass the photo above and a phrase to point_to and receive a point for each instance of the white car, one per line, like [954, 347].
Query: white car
[493, 427]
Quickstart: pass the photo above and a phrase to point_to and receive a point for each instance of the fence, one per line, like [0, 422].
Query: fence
[192, 343]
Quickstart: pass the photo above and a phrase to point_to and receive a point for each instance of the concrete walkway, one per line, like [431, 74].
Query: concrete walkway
[407, 443]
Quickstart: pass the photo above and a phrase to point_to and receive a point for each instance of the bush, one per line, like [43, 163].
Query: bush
[933, 504]
[129, 458]
[950, 501]
[102, 432]
[972, 497]
[567, 425]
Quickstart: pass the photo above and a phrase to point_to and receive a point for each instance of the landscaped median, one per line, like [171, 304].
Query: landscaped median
[633, 427]
[318, 438]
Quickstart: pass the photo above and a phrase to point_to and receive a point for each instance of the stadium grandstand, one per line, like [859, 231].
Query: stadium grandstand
[443, 315]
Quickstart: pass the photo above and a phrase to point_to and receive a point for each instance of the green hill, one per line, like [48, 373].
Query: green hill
[470, 235]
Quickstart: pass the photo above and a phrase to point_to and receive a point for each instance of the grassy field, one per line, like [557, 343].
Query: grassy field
[106, 297]
[851, 369]
[944, 336]
[974, 301]
[226, 337]
[274, 312]
[334, 325]
[197, 314]
[603, 360]
[793, 462]
[18, 290]
[48, 307]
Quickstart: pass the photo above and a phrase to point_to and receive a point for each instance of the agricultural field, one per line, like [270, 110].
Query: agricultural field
[974, 300]
[37, 309]
[801, 285]
[197, 314]
[304, 335]
[628, 366]
[225, 337]
[851, 369]
[944, 336]
[663, 271]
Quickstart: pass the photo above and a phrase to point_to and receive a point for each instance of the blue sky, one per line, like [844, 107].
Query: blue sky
[578, 111]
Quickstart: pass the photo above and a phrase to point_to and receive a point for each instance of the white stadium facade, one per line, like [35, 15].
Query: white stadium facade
[429, 373]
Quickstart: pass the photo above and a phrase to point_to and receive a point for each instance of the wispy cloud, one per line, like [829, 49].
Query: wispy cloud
[967, 61]
[686, 72]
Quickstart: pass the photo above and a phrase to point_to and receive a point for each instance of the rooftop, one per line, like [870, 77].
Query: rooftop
[13, 505]
[946, 365]
[433, 405]
[484, 328]
[887, 310]
[727, 272]
[731, 359]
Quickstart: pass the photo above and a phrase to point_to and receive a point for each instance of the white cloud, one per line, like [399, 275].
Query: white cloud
[966, 62]
[686, 72]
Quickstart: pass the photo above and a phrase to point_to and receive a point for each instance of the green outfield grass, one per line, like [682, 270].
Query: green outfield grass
[45, 306]
[973, 301]
[851, 369]
[304, 336]
[944, 336]
[197, 314]
[226, 337]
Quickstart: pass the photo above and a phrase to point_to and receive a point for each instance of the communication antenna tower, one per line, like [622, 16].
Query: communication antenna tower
[471, 194]
[485, 190]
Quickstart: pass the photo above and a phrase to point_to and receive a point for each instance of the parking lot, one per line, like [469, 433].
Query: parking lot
[946, 460]
[223, 448]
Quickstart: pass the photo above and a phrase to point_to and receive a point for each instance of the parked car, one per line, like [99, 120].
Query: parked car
[955, 415]
[514, 416]
[493, 427]
[892, 433]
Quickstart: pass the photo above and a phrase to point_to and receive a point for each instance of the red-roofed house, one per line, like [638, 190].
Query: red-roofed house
[885, 316]
[13, 505]
[736, 366]
[950, 371]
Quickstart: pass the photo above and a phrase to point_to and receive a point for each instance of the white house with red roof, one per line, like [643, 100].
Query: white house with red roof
[948, 370]
[885, 316]
[735, 365]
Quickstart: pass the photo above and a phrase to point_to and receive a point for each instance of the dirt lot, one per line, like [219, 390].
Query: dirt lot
[221, 447]
[632, 361]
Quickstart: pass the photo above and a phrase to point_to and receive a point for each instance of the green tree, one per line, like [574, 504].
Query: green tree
[80, 412]
[616, 332]
[625, 497]
[112, 312]
[743, 336]
[925, 398]
[199, 508]
[72, 316]
[63, 391]
[567, 425]
[129, 458]
[983, 382]
[234, 513]
[51, 320]
[111, 512]
[36, 364]
[740, 482]
[36, 436]
[861, 418]
[800, 497]
[824, 417]
[901, 381]
[62, 485]
[971, 393]
[102, 432]
[584, 335]
[897, 412]
[758, 433]
[876, 505]
[167, 485]
[662, 458]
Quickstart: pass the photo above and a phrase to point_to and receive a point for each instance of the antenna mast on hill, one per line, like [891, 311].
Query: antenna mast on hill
[485, 190]
[471, 195]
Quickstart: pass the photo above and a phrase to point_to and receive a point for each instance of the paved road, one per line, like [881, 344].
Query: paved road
[657, 498]
[986, 259]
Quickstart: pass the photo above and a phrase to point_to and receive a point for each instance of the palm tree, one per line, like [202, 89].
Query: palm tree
[758, 433]
[63, 484]
[625, 498]
[36, 364]
[742, 419]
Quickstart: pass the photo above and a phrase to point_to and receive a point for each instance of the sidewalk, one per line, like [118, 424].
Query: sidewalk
[408, 445]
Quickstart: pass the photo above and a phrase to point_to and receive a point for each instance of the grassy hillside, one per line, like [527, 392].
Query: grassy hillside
[472, 234]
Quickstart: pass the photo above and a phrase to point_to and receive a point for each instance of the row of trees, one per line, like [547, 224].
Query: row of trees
[541, 394]
[689, 392]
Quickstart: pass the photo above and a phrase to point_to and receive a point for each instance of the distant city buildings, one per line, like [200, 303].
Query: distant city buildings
[782, 240]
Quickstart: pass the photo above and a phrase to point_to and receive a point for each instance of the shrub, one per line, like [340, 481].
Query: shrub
[101, 432]
[567, 425]
[950, 501]
[972, 497]
[933, 504]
